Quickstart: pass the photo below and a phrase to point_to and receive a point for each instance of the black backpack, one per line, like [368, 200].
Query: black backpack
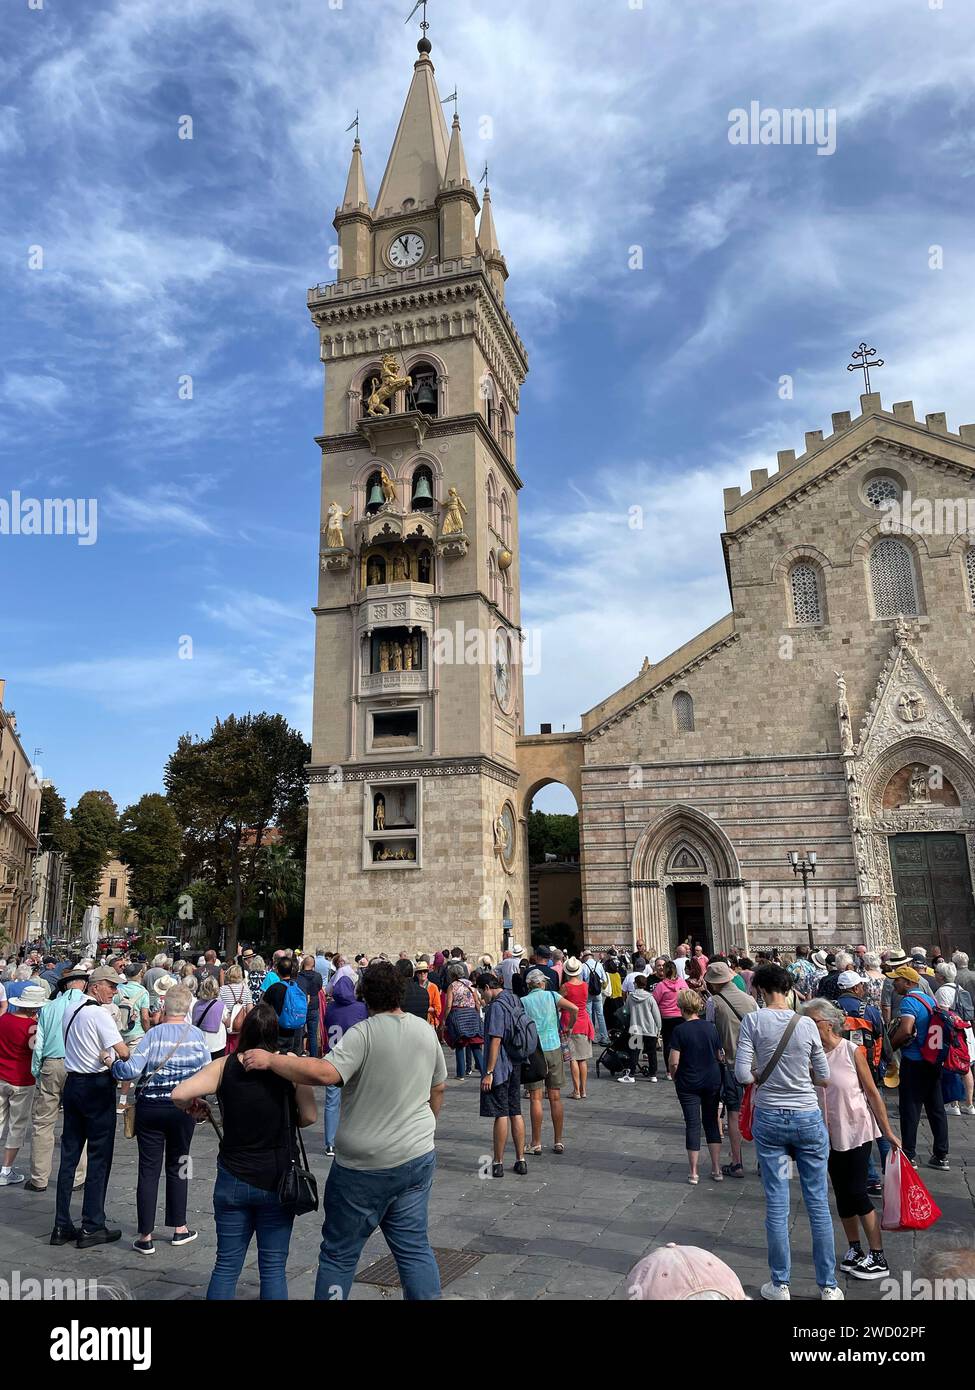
[594, 983]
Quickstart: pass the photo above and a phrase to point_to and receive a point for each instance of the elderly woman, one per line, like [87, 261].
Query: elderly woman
[236, 995]
[540, 1004]
[855, 1116]
[956, 1087]
[170, 1053]
[211, 1015]
[462, 1026]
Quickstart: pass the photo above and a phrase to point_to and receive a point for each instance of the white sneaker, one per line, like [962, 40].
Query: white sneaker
[11, 1178]
[776, 1293]
[655, 1079]
[833, 1295]
[953, 1109]
[968, 1109]
[626, 1080]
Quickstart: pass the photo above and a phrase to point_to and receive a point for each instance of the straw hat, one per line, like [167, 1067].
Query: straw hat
[163, 985]
[33, 997]
[573, 966]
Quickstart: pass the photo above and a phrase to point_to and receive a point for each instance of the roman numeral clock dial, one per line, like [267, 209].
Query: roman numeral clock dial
[406, 250]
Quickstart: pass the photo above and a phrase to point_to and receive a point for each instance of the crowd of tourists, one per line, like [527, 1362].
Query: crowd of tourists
[818, 1039]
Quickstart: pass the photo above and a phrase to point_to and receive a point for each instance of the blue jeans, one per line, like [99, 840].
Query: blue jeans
[394, 1199]
[595, 1007]
[333, 1107]
[240, 1211]
[470, 1057]
[781, 1135]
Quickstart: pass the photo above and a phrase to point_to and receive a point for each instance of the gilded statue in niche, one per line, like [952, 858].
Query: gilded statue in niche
[454, 513]
[334, 528]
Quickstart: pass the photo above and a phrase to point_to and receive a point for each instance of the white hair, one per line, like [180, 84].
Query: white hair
[822, 1008]
[871, 960]
[160, 962]
[918, 951]
[177, 1001]
[946, 971]
[843, 959]
[961, 960]
[24, 972]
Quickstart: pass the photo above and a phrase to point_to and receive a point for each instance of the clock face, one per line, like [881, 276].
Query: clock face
[407, 250]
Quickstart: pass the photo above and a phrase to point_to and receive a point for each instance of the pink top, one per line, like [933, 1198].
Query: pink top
[665, 992]
[578, 993]
[848, 1117]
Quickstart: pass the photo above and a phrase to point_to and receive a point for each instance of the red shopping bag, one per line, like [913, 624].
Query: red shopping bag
[745, 1113]
[908, 1205]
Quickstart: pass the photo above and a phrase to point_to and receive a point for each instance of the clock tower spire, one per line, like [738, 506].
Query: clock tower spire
[414, 827]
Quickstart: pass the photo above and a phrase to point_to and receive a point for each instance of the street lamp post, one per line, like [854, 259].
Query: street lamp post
[806, 869]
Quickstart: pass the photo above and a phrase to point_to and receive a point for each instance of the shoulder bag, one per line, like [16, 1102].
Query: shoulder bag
[748, 1099]
[297, 1188]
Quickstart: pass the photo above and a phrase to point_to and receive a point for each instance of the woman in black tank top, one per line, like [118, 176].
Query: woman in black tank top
[260, 1112]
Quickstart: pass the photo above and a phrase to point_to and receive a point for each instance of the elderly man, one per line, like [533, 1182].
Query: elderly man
[47, 1065]
[920, 1081]
[852, 1000]
[965, 978]
[90, 1034]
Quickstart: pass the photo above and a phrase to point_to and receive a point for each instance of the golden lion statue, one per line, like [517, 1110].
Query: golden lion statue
[381, 390]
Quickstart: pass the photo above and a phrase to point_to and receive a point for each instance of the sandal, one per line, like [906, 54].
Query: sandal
[558, 1149]
[534, 1150]
[717, 1177]
[693, 1179]
[733, 1170]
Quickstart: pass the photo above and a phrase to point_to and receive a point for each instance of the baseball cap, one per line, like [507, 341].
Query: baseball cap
[904, 972]
[677, 1272]
[849, 979]
[103, 973]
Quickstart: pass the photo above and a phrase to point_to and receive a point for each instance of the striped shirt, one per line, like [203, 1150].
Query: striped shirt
[190, 1054]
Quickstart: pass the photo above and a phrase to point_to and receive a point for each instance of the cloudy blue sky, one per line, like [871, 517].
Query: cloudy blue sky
[650, 387]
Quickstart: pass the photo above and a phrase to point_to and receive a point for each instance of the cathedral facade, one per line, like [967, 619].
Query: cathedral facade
[826, 717]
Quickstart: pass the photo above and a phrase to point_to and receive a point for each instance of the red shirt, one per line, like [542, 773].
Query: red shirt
[17, 1047]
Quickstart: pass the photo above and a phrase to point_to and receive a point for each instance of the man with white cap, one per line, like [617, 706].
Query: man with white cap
[47, 1065]
[90, 1034]
[17, 1030]
[510, 965]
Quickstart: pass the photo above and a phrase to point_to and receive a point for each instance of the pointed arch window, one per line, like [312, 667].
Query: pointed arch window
[371, 378]
[494, 580]
[970, 574]
[492, 502]
[805, 595]
[683, 710]
[893, 581]
[504, 519]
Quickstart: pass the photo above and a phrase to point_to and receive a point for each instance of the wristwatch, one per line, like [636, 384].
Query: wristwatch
[489, 1073]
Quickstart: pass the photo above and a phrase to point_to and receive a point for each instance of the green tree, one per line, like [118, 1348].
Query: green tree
[552, 834]
[282, 876]
[94, 838]
[227, 791]
[150, 842]
[54, 828]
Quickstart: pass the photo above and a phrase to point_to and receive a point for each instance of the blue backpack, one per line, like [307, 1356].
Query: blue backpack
[294, 1010]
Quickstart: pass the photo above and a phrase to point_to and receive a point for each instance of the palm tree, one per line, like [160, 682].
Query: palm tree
[283, 879]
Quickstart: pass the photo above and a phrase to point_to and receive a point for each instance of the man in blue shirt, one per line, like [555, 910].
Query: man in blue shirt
[501, 1083]
[920, 1081]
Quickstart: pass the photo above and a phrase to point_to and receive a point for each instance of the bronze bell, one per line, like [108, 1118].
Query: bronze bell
[425, 396]
[422, 496]
[376, 498]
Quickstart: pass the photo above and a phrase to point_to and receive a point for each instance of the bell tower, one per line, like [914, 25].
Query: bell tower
[414, 838]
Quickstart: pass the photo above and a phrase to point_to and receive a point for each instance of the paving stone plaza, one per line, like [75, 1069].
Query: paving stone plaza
[571, 1229]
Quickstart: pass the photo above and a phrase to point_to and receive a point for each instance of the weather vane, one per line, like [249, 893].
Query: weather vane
[354, 126]
[484, 176]
[862, 363]
[421, 5]
[453, 98]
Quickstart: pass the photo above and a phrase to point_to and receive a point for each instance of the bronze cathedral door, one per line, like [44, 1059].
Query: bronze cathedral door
[934, 892]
